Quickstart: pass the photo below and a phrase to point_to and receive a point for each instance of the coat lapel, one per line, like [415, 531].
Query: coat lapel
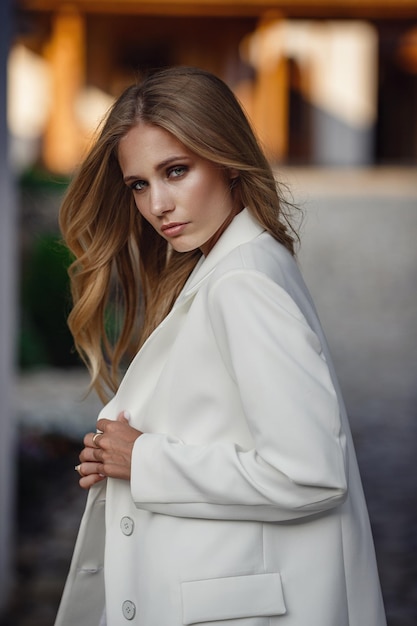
[144, 371]
[244, 228]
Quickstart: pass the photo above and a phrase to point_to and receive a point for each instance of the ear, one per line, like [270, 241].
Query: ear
[233, 174]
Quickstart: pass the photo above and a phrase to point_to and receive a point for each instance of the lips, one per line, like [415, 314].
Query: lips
[173, 229]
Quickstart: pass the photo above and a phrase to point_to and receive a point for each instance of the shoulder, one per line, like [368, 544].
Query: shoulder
[263, 270]
[264, 256]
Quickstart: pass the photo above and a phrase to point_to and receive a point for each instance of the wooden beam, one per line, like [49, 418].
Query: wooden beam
[64, 139]
[329, 9]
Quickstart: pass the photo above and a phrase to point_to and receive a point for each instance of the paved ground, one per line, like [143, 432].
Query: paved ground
[52, 420]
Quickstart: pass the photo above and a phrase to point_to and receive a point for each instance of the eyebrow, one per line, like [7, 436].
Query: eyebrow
[162, 165]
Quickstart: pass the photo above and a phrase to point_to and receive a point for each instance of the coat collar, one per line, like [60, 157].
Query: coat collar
[148, 363]
[242, 229]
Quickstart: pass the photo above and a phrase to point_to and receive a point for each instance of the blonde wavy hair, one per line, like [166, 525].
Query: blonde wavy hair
[119, 257]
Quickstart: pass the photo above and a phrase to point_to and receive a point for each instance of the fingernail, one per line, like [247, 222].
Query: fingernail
[127, 415]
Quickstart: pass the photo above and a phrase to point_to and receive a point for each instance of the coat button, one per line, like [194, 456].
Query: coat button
[128, 609]
[127, 525]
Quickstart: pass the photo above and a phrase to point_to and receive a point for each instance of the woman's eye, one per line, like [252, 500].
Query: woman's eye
[138, 185]
[178, 170]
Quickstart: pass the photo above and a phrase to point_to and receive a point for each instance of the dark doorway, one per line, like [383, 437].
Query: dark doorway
[397, 97]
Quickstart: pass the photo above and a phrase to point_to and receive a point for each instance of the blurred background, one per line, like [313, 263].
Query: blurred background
[331, 89]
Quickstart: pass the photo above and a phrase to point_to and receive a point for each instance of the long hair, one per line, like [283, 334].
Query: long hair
[119, 257]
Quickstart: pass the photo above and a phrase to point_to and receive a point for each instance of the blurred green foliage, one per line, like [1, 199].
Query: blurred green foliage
[45, 303]
[36, 178]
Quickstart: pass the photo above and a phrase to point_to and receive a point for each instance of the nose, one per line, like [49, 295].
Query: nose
[161, 200]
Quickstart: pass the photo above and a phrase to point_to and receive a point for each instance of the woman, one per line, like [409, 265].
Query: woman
[223, 482]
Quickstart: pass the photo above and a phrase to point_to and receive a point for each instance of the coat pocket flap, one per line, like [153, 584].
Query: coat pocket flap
[233, 597]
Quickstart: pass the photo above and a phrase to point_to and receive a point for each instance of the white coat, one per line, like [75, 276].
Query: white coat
[245, 506]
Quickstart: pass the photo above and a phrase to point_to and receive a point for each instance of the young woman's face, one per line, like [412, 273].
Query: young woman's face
[186, 198]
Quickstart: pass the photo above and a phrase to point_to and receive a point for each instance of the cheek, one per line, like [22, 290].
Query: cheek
[210, 198]
[140, 207]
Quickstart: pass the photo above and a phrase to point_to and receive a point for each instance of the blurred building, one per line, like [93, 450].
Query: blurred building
[324, 82]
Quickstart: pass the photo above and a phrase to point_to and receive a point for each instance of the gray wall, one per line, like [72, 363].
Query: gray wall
[359, 258]
[334, 142]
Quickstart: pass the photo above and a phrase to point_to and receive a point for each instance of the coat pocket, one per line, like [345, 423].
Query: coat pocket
[234, 597]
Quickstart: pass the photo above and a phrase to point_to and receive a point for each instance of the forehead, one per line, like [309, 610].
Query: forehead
[150, 143]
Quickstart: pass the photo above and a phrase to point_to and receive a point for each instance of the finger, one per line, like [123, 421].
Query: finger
[88, 481]
[124, 416]
[95, 441]
[91, 455]
[117, 470]
[89, 467]
[79, 470]
[88, 440]
[102, 424]
[92, 440]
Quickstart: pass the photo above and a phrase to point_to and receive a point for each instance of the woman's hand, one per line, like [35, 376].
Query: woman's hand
[109, 453]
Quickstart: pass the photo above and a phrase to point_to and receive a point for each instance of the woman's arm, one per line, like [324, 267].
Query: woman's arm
[297, 465]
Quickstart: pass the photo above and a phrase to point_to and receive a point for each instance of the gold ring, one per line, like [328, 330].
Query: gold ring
[94, 439]
[78, 469]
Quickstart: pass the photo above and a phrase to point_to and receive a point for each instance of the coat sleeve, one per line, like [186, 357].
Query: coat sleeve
[297, 466]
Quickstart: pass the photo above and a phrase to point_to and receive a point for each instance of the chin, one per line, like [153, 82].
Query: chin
[183, 247]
